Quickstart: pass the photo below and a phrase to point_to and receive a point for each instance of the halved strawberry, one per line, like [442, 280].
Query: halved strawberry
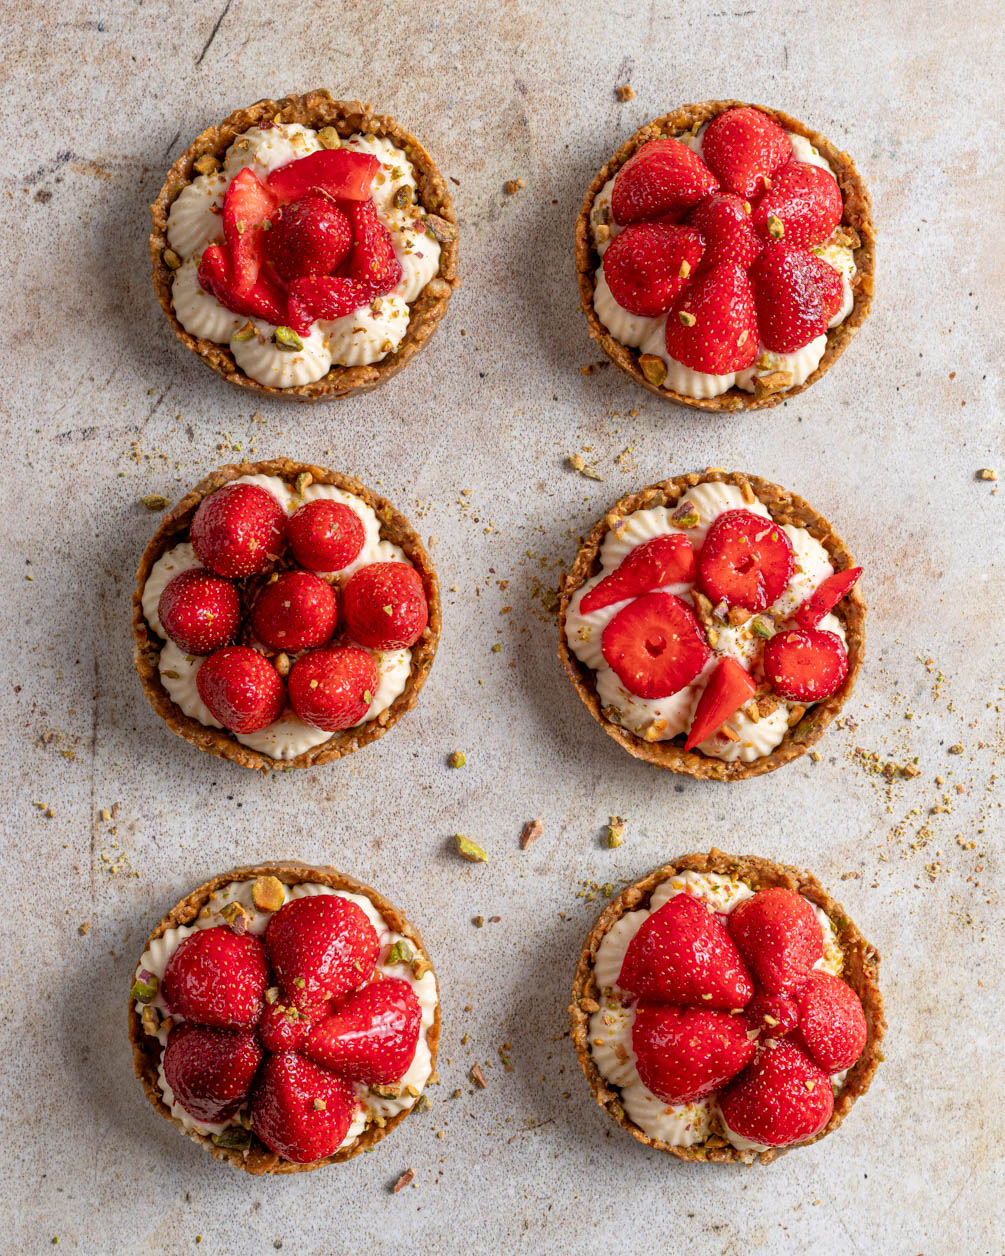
[825, 597]
[217, 977]
[338, 171]
[805, 664]
[238, 530]
[210, 1071]
[781, 1098]
[200, 612]
[685, 1053]
[832, 1023]
[772, 1015]
[325, 535]
[371, 1037]
[796, 294]
[745, 147]
[385, 606]
[241, 689]
[323, 296]
[648, 264]
[247, 206]
[308, 237]
[803, 205]
[333, 688]
[663, 560]
[655, 645]
[296, 611]
[746, 560]
[779, 936]
[723, 221]
[373, 264]
[321, 947]
[728, 688]
[662, 177]
[712, 326]
[265, 299]
[302, 1112]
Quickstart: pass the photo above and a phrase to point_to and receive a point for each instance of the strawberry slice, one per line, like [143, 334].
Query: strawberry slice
[832, 1023]
[338, 171]
[713, 325]
[771, 1015]
[779, 936]
[300, 1111]
[729, 687]
[662, 177]
[781, 1098]
[746, 560]
[723, 221]
[247, 206]
[217, 977]
[824, 598]
[805, 664]
[323, 296]
[803, 205]
[371, 1038]
[648, 264]
[320, 947]
[745, 147]
[265, 299]
[663, 560]
[796, 294]
[209, 1070]
[684, 1053]
[308, 237]
[372, 264]
[655, 645]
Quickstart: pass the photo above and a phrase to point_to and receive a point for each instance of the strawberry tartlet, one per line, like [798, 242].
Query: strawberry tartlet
[284, 615]
[284, 1017]
[305, 247]
[712, 624]
[725, 1008]
[725, 256]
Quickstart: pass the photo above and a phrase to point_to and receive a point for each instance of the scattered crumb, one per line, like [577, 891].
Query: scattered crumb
[478, 1077]
[406, 1179]
[532, 830]
[457, 759]
[987, 473]
[624, 93]
[514, 185]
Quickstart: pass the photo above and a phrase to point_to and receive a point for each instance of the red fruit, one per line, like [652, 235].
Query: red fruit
[385, 606]
[662, 177]
[779, 936]
[684, 1053]
[294, 612]
[712, 326]
[308, 237]
[728, 688]
[373, 264]
[772, 1015]
[217, 977]
[323, 296]
[746, 560]
[333, 689]
[663, 560]
[745, 147]
[321, 947]
[238, 530]
[655, 645]
[247, 206]
[805, 200]
[241, 688]
[210, 1071]
[805, 664]
[781, 1098]
[338, 171]
[325, 535]
[300, 1111]
[723, 221]
[199, 611]
[648, 264]
[831, 1022]
[682, 954]
[821, 602]
[371, 1038]
[265, 299]
[282, 1028]
[796, 294]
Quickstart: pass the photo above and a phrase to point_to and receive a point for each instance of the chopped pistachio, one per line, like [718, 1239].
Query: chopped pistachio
[685, 269]
[236, 917]
[328, 137]
[151, 1020]
[776, 228]
[402, 197]
[653, 368]
[286, 338]
[303, 481]
[616, 831]
[244, 333]
[144, 991]
[420, 966]
[458, 759]
[686, 318]
[467, 849]
[442, 230]
[268, 893]
[272, 994]
[762, 627]
[206, 164]
[234, 1136]
[171, 259]
[686, 515]
[400, 953]
[155, 501]
[320, 1105]
[386, 1092]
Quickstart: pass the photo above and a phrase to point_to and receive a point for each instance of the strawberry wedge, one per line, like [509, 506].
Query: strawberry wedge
[823, 600]
[728, 689]
[323, 296]
[373, 263]
[265, 299]
[247, 207]
[661, 561]
[337, 171]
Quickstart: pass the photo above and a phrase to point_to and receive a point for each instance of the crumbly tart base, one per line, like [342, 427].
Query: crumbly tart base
[147, 645]
[259, 1159]
[314, 109]
[857, 214]
[785, 508]
[861, 971]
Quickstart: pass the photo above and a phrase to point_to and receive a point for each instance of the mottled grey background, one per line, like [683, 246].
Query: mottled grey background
[100, 406]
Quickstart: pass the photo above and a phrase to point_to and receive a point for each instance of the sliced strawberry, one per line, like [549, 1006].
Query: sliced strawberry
[781, 1098]
[772, 1015]
[247, 207]
[723, 221]
[685, 1053]
[745, 147]
[338, 171]
[333, 689]
[372, 264]
[663, 560]
[200, 612]
[238, 530]
[282, 1027]
[779, 936]
[683, 955]
[746, 560]
[296, 611]
[655, 645]
[662, 177]
[210, 1071]
[321, 946]
[796, 294]
[728, 688]
[805, 664]
[371, 1037]
[802, 207]
[821, 601]
[325, 535]
[300, 1111]
[241, 689]
[385, 606]
[265, 299]
[712, 326]
[217, 977]
[832, 1023]
[323, 296]
[308, 237]
[648, 264]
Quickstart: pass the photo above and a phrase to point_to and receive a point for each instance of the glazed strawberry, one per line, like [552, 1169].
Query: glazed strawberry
[325, 535]
[372, 264]
[217, 977]
[321, 946]
[745, 148]
[265, 299]
[728, 688]
[805, 664]
[723, 221]
[655, 645]
[685, 1053]
[781, 1098]
[241, 689]
[282, 1027]
[333, 689]
[323, 296]
[648, 264]
[712, 326]
[385, 606]
[796, 294]
[824, 598]
[371, 1037]
[661, 561]
[779, 936]
[238, 530]
[746, 561]
[308, 237]
[247, 207]
[803, 205]
[662, 177]
[199, 611]
[338, 171]
[295, 611]
[831, 1022]
[772, 1015]
[210, 1071]
[300, 1111]
[683, 955]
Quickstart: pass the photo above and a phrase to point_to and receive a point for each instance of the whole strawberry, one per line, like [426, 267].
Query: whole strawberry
[803, 206]
[779, 936]
[238, 530]
[325, 535]
[796, 295]
[308, 237]
[781, 1098]
[662, 177]
[217, 977]
[745, 148]
[200, 612]
[648, 264]
[321, 947]
[210, 1071]
[333, 688]
[713, 326]
[241, 689]
[295, 611]
[371, 1037]
[832, 1024]
[302, 1112]
[385, 606]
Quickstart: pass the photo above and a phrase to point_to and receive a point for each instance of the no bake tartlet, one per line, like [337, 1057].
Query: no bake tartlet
[712, 624]
[725, 1008]
[304, 248]
[285, 1017]
[725, 256]
[284, 615]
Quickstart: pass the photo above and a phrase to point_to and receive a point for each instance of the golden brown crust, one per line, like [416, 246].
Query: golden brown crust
[314, 109]
[861, 972]
[785, 508]
[857, 214]
[147, 646]
[260, 1159]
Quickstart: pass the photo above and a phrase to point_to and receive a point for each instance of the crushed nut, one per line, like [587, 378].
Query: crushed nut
[151, 1020]
[303, 481]
[282, 664]
[763, 627]
[234, 1136]
[653, 368]
[268, 893]
[478, 1077]
[286, 339]
[987, 473]
[406, 1179]
[686, 318]
[206, 164]
[400, 953]
[532, 830]
[458, 759]
[144, 989]
[772, 382]
[624, 93]
[154, 501]
[442, 229]
[467, 849]
[776, 228]
[244, 333]
[328, 137]
[420, 966]
[514, 185]
[616, 831]
[795, 715]
[686, 516]
[171, 259]
[236, 917]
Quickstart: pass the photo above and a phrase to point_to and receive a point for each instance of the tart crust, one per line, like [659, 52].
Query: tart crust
[314, 109]
[861, 972]
[260, 1159]
[857, 214]
[785, 508]
[147, 645]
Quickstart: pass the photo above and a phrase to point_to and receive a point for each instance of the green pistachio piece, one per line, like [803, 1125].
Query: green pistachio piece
[458, 759]
[244, 333]
[144, 991]
[686, 515]
[400, 953]
[762, 627]
[287, 339]
[467, 849]
[233, 1136]
[328, 137]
